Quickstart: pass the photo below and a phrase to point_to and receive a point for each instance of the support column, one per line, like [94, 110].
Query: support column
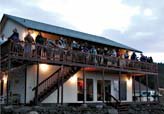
[58, 89]
[7, 84]
[103, 84]
[147, 90]
[140, 88]
[62, 73]
[84, 87]
[134, 89]
[25, 82]
[37, 82]
[157, 87]
[119, 86]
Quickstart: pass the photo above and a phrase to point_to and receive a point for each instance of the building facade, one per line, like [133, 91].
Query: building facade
[64, 75]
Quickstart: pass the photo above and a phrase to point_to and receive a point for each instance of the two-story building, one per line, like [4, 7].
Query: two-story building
[63, 74]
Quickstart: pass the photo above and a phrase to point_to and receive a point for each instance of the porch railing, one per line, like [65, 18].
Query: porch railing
[46, 53]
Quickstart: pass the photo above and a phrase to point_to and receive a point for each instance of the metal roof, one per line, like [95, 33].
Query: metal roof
[67, 32]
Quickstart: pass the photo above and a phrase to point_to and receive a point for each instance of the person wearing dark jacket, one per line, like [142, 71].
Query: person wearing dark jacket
[39, 44]
[28, 44]
[14, 38]
[134, 56]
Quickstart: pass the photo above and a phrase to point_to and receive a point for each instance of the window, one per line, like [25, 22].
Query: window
[107, 90]
[99, 90]
[80, 87]
[1, 92]
[123, 90]
[89, 88]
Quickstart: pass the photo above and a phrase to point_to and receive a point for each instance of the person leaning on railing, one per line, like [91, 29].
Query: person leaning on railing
[50, 45]
[93, 53]
[14, 38]
[39, 43]
[28, 45]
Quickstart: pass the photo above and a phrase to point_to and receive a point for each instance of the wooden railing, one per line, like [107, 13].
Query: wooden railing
[111, 100]
[50, 80]
[46, 53]
[56, 79]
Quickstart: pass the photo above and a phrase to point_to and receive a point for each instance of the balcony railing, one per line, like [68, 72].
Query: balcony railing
[46, 53]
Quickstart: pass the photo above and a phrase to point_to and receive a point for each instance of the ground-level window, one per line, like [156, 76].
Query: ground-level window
[89, 88]
[107, 90]
[1, 88]
[99, 90]
[123, 90]
[80, 87]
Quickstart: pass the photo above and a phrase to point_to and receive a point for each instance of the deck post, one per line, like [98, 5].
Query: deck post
[157, 87]
[62, 73]
[25, 83]
[147, 89]
[7, 83]
[84, 87]
[37, 82]
[103, 84]
[9, 66]
[134, 89]
[140, 88]
[119, 86]
[58, 89]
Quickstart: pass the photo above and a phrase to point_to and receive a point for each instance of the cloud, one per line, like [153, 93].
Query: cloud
[92, 16]
[146, 31]
[30, 11]
[136, 23]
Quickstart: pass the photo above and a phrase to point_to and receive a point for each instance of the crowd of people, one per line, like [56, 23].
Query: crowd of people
[45, 47]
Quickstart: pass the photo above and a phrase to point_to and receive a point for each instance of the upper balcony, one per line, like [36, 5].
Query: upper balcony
[54, 55]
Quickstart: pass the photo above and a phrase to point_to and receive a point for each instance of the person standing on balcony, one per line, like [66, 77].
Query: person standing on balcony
[28, 44]
[114, 55]
[126, 55]
[2, 39]
[133, 56]
[143, 58]
[93, 52]
[39, 44]
[50, 45]
[150, 60]
[14, 38]
[62, 46]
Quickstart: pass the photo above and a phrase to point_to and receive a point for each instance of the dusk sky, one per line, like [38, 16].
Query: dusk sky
[136, 23]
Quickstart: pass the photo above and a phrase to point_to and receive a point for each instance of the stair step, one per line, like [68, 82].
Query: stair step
[53, 86]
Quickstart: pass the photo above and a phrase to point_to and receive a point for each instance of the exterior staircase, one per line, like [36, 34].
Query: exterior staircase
[55, 80]
[123, 108]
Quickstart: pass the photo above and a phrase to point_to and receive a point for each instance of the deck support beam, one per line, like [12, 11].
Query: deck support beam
[147, 89]
[84, 87]
[119, 86]
[58, 89]
[140, 88]
[7, 83]
[25, 83]
[62, 80]
[37, 82]
[103, 84]
[157, 78]
[134, 89]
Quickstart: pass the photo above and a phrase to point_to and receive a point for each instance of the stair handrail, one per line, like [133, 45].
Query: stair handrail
[46, 79]
[115, 99]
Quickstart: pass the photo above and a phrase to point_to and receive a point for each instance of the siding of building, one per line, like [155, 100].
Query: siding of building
[10, 25]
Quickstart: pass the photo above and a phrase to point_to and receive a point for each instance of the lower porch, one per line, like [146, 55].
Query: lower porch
[88, 85]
